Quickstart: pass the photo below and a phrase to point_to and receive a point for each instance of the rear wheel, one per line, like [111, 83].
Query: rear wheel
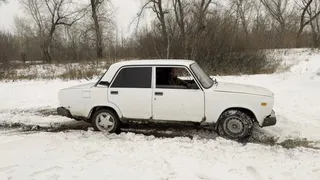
[105, 120]
[235, 125]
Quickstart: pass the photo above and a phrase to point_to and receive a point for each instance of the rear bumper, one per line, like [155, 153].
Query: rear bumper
[64, 112]
[270, 120]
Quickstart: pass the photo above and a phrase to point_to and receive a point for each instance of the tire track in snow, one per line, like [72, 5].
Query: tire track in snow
[156, 130]
[36, 111]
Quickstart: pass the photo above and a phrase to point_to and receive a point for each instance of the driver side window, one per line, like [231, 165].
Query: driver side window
[174, 78]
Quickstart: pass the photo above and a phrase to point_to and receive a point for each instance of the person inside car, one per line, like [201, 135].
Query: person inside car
[173, 78]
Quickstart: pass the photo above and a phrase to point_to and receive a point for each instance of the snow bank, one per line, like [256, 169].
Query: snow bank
[300, 61]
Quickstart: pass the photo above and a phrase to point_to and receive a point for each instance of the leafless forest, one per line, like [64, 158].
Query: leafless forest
[224, 36]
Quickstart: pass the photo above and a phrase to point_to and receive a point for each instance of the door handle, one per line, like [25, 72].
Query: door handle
[114, 92]
[158, 93]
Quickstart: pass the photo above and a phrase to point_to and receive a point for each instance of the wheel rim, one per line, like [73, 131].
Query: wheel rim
[234, 125]
[105, 121]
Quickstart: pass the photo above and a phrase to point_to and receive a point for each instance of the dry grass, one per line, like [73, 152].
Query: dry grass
[242, 63]
[82, 71]
[69, 71]
[228, 64]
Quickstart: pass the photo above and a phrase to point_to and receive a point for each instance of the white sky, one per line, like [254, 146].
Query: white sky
[126, 11]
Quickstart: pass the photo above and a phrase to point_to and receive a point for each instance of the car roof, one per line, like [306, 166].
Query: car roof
[153, 62]
[183, 62]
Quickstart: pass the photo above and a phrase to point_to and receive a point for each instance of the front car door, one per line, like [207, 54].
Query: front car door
[176, 95]
[131, 91]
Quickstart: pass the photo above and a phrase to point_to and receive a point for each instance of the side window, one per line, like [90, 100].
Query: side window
[174, 78]
[133, 77]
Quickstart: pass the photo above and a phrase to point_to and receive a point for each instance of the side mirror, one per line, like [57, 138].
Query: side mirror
[104, 83]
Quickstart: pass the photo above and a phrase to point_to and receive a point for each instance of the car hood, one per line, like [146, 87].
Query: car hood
[81, 86]
[243, 89]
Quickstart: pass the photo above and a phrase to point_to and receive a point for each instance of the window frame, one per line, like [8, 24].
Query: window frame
[131, 66]
[197, 76]
[154, 85]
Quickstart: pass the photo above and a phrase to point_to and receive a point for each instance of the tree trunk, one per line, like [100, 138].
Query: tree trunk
[202, 14]
[179, 13]
[99, 45]
[47, 56]
[314, 35]
[164, 28]
[48, 44]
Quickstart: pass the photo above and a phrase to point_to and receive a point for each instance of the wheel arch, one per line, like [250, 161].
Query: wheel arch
[242, 109]
[96, 108]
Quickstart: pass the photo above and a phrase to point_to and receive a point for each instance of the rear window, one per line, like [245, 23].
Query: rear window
[133, 77]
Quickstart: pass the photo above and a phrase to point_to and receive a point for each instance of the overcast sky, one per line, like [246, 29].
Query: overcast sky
[126, 11]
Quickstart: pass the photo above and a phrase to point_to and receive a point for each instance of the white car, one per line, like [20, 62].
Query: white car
[168, 91]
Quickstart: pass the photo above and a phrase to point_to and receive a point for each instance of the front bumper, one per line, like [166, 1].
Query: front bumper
[64, 112]
[270, 120]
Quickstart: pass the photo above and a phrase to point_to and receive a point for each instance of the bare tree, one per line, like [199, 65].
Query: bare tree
[243, 8]
[95, 4]
[315, 26]
[179, 11]
[158, 9]
[157, 6]
[48, 16]
[8, 49]
[201, 12]
[278, 10]
[304, 21]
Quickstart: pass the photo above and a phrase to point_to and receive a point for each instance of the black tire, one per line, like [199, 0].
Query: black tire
[235, 125]
[99, 126]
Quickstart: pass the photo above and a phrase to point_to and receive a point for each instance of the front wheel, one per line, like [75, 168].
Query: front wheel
[105, 120]
[235, 125]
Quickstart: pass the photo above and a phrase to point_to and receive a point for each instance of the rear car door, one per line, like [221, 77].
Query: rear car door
[131, 91]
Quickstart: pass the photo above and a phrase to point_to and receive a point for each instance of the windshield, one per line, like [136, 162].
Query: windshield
[99, 80]
[204, 79]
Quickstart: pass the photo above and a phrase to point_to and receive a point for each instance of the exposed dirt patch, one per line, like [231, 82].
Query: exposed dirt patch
[161, 131]
[156, 130]
[37, 128]
[39, 112]
[47, 112]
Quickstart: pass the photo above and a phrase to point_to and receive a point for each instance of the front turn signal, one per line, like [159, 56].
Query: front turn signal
[264, 104]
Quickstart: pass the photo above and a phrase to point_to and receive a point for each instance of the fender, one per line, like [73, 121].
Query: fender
[109, 105]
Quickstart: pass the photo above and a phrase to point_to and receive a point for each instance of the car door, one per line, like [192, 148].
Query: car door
[177, 102]
[131, 92]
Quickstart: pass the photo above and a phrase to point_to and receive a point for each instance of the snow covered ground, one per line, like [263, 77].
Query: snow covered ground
[83, 154]
[88, 155]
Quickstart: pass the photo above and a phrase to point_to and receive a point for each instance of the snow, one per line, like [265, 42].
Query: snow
[84, 154]
[88, 155]
[32, 94]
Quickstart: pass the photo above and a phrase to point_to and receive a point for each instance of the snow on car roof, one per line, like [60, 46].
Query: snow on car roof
[155, 62]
